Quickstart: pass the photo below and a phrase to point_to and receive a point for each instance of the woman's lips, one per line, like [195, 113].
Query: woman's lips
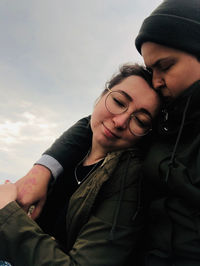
[109, 133]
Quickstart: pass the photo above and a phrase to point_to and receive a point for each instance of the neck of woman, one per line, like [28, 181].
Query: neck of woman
[95, 155]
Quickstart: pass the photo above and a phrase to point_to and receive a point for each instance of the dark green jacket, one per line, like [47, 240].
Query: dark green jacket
[103, 222]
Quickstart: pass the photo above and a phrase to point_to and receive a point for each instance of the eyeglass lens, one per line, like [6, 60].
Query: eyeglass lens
[117, 103]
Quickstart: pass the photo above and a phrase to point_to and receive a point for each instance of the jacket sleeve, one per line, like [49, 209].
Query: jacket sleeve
[22, 242]
[72, 144]
[108, 238]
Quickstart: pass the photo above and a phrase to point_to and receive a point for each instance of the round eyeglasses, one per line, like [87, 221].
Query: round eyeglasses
[140, 122]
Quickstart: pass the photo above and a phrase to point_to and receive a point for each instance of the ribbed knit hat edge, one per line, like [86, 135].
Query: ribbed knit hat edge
[171, 30]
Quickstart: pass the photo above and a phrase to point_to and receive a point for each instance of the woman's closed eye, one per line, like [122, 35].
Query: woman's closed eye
[119, 102]
[142, 121]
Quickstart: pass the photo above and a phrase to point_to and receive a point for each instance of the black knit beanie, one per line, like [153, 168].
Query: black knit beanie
[174, 23]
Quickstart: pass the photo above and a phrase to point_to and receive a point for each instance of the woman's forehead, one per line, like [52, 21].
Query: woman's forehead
[137, 88]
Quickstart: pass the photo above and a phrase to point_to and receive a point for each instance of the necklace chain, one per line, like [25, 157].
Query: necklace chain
[75, 172]
[93, 168]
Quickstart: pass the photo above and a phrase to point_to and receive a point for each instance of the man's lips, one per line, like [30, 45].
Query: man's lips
[109, 133]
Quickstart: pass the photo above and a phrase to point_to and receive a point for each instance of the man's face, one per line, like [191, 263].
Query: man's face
[173, 70]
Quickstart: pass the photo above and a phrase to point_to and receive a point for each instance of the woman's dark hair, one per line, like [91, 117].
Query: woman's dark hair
[128, 70]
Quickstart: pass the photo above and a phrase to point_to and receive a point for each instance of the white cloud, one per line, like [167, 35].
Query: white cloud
[9, 131]
[23, 140]
[55, 58]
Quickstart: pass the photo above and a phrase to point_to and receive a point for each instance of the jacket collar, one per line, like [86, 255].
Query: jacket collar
[171, 115]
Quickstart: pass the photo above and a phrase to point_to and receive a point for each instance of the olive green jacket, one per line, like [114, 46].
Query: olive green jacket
[104, 221]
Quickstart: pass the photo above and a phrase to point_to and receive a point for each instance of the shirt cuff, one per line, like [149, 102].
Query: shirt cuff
[52, 164]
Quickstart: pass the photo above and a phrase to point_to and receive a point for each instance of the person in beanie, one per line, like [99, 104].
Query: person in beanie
[169, 41]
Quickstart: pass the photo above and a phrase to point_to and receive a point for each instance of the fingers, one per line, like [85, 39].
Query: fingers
[38, 208]
[31, 210]
[8, 193]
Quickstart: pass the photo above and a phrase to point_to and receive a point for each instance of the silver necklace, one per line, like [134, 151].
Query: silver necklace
[93, 168]
[75, 172]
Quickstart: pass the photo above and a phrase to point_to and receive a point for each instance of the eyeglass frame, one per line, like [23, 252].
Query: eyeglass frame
[132, 115]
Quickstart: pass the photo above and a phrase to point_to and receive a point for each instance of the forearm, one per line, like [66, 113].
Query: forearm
[32, 189]
[37, 175]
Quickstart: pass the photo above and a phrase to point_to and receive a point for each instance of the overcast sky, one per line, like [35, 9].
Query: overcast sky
[55, 58]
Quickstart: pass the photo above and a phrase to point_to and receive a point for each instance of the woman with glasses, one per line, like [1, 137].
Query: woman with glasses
[94, 211]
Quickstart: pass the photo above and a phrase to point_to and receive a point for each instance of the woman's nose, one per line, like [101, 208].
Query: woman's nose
[121, 121]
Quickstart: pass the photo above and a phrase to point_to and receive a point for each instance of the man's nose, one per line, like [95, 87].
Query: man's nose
[121, 120]
[158, 81]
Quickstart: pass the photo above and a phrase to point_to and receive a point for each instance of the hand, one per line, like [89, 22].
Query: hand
[8, 193]
[32, 189]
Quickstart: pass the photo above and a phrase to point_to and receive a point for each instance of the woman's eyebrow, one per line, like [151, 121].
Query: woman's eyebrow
[146, 112]
[126, 95]
[131, 100]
